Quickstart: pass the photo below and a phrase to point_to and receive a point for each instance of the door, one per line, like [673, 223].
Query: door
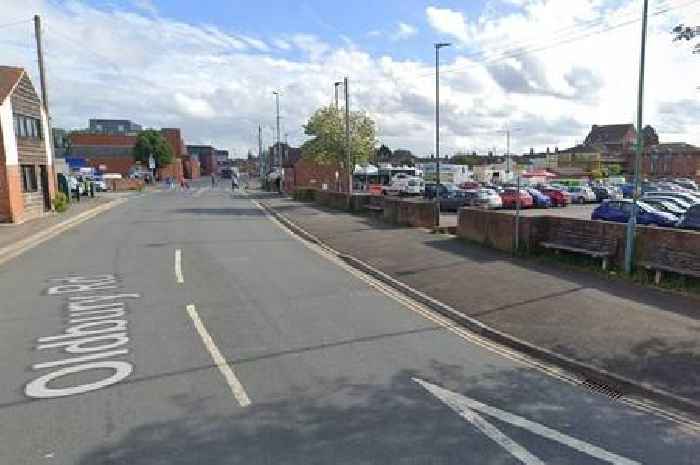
[44, 174]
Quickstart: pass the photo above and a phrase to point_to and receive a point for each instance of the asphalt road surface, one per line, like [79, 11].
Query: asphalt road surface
[189, 328]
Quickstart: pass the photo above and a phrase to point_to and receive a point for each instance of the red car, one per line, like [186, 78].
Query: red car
[558, 197]
[508, 198]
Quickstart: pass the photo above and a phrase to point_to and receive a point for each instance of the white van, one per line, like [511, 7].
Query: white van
[403, 184]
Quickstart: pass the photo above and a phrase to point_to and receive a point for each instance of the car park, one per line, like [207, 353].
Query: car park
[680, 203]
[620, 211]
[510, 198]
[691, 218]
[453, 199]
[687, 196]
[539, 199]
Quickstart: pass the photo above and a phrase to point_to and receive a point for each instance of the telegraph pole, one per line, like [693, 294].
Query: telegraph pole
[632, 222]
[260, 151]
[347, 137]
[42, 70]
[508, 159]
[336, 85]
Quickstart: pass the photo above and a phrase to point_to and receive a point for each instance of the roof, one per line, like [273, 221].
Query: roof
[608, 133]
[9, 77]
[675, 147]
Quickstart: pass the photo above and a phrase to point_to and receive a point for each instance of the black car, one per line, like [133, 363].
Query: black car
[602, 193]
[691, 218]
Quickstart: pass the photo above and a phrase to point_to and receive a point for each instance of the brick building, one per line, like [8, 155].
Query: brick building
[675, 159]
[27, 183]
[307, 173]
[113, 153]
[206, 155]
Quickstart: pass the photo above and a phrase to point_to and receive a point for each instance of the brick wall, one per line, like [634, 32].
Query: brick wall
[174, 169]
[119, 165]
[115, 140]
[122, 185]
[15, 202]
[307, 173]
[410, 212]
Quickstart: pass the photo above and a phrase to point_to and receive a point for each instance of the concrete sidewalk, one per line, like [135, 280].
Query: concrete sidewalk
[637, 333]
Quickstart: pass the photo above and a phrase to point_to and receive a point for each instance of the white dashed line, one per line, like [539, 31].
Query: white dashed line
[178, 266]
[237, 388]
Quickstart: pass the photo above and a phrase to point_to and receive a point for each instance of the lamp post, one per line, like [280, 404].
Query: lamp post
[277, 149]
[632, 222]
[335, 86]
[438, 46]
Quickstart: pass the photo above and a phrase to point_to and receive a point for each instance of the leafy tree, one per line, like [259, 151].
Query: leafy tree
[597, 174]
[384, 153]
[151, 142]
[614, 170]
[327, 129]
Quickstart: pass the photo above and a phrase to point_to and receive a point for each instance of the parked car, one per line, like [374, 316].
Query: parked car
[430, 191]
[687, 196]
[606, 193]
[489, 198]
[559, 197]
[680, 203]
[581, 194]
[627, 190]
[687, 184]
[453, 199]
[691, 218]
[665, 206]
[540, 200]
[404, 185]
[509, 197]
[620, 211]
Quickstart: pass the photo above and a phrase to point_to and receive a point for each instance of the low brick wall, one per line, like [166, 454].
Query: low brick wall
[496, 229]
[121, 185]
[304, 194]
[332, 199]
[410, 212]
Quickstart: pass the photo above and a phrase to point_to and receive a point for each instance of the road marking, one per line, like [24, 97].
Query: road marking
[467, 409]
[178, 266]
[237, 388]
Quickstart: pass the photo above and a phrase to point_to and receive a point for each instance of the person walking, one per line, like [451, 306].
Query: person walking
[213, 180]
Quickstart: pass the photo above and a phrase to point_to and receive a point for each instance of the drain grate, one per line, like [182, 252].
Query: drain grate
[602, 388]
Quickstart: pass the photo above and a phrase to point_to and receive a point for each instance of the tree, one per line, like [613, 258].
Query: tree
[384, 153]
[151, 142]
[327, 129]
[649, 136]
[614, 170]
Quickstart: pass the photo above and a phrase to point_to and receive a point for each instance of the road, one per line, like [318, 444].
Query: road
[190, 328]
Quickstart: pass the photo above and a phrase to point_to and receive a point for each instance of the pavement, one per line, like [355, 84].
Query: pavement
[636, 333]
[190, 328]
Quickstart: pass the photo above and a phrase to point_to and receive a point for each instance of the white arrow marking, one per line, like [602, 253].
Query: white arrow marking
[467, 407]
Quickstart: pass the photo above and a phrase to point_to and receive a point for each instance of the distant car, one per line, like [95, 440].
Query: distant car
[665, 206]
[405, 185]
[606, 193]
[691, 218]
[454, 199]
[627, 190]
[509, 197]
[489, 198]
[687, 184]
[581, 194]
[680, 203]
[100, 185]
[470, 185]
[559, 197]
[687, 196]
[620, 211]
[540, 200]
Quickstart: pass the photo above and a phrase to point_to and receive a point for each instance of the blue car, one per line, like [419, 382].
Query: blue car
[620, 211]
[539, 199]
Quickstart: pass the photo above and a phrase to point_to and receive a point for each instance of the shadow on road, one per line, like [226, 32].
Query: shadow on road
[397, 423]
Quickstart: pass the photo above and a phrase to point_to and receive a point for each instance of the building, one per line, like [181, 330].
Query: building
[676, 159]
[113, 126]
[27, 183]
[205, 155]
[612, 137]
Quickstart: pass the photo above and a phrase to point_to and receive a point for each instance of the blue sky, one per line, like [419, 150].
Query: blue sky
[209, 67]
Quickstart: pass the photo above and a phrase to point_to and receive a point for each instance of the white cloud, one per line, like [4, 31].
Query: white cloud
[448, 22]
[404, 31]
[255, 43]
[146, 6]
[217, 87]
[281, 44]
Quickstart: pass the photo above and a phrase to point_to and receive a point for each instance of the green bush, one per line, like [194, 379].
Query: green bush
[60, 202]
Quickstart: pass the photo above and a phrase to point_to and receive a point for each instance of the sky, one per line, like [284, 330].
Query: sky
[546, 69]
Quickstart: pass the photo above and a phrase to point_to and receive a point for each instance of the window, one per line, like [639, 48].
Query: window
[26, 126]
[29, 183]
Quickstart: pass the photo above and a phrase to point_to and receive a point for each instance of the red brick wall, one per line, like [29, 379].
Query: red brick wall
[103, 139]
[174, 169]
[174, 138]
[119, 165]
[15, 200]
[307, 173]
[679, 165]
[191, 168]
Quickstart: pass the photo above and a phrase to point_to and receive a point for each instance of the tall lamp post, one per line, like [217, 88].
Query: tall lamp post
[335, 86]
[277, 149]
[438, 46]
[632, 222]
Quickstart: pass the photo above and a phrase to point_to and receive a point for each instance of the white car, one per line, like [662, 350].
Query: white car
[581, 194]
[489, 198]
[405, 185]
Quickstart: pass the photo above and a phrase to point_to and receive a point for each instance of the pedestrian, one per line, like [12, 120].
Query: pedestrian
[234, 185]
[213, 180]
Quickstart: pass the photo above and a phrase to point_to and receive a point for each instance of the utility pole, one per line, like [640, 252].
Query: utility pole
[438, 46]
[632, 222]
[260, 150]
[348, 160]
[335, 85]
[277, 151]
[508, 159]
[286, 147]
[42, 82]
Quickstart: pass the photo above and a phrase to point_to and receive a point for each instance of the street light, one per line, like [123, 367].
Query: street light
[632, 222]
[277, 97]
[438, 46]
[335, 86]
